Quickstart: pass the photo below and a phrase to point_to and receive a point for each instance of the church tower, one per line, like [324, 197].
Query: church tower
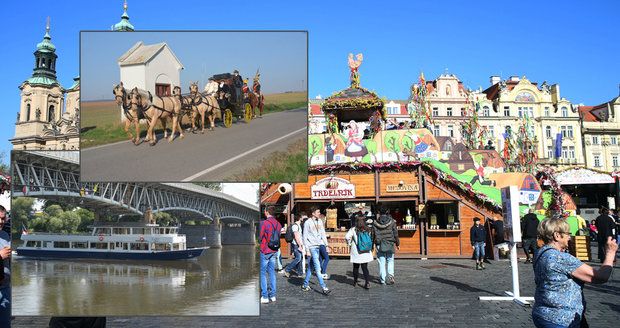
[41, 97]
[124, 25]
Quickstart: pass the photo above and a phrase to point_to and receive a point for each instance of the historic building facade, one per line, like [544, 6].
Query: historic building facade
[507, 103]
[601, 133]
[49, 115]
[448, 105]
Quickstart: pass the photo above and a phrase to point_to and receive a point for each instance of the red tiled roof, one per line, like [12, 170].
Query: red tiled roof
[586, 114]
[315, 109]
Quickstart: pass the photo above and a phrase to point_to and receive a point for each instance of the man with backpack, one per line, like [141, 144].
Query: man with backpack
[269, 246]
[293, 236]
[313, 237]
[529, 231]
[386, 236]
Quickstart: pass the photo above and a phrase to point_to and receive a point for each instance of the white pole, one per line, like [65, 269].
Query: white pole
[515, 270]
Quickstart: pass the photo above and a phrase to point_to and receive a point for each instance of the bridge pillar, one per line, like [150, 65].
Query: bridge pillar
[202, 235]
[238, 234]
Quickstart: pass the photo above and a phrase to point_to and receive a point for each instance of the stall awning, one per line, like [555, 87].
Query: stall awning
[583, 176]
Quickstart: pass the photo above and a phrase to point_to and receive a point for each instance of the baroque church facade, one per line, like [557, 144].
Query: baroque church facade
[49, 115]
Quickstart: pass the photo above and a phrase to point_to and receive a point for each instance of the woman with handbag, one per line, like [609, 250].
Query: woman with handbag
[360, 245]
[560, 276]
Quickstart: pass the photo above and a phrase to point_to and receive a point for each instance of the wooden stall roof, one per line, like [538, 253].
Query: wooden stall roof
[271, 195]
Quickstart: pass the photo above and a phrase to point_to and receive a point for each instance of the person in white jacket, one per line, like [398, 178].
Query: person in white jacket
[211, 88]
[359, 259]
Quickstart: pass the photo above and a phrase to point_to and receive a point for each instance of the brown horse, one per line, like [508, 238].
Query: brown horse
[255, 101]
[205, 106]
[133, 115]
[158, 108]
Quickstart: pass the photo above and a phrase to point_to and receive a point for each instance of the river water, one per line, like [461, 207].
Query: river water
[222, 281]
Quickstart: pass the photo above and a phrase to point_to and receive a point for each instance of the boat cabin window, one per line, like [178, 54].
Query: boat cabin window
[103, 231]
[162, 247]
[120, 231]
[139, 246]
[33, 243]
[138, 231]
[79, 244]
[61, 244]
[99, 245]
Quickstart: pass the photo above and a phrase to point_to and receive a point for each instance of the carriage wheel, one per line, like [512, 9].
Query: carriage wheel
[248, 113]
[227, 118]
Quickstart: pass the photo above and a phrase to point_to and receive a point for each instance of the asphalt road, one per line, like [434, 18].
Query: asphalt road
[213, 156]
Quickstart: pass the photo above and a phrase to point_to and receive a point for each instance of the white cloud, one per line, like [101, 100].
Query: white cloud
[247, 192]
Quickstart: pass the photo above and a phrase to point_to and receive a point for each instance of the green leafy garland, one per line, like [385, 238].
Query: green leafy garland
[557, 207]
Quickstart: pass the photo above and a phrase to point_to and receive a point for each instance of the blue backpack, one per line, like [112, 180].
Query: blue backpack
[364, 242]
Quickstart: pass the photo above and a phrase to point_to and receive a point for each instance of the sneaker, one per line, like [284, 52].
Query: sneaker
[367, 285]
[390, 280]
[305, 288]
[326, 291]
[478, 266]
[325, 276]
[264, 300]
[287, 274]
[482, 266]
[272, 299]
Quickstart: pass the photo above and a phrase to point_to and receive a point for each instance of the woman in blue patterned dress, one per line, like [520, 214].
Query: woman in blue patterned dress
[560, 276]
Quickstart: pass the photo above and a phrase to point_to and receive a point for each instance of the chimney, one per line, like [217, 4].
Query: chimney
[514, 78]
[555, 93]
[495, 79]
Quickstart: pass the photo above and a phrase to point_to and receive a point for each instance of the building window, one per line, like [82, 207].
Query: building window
[569, 131]
[436, 130]
[571, 152]
[564, 152]
[451, 131]
[506, 111]
[613, 140]
[597, 160]
[463, 112]
[547, 111]
[50, 114]
[449, 111]
[564, 112]
[27, 112]
[550, 152]
[435, 111]
[491, 131]
[563, 130]
[485, 111]
[595, 140]
[394, 110]
[526, 111]
[614, 160]
[448, 90]
[548, 131]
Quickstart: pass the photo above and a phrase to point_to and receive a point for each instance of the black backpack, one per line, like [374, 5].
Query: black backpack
[274, 241]
[289, 236]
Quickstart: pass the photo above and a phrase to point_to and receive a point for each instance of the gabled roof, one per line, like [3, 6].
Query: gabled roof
[586, 114]
[315, 109]
[142, 54]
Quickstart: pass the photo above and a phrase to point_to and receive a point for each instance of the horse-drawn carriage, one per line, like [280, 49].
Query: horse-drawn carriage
[233, 101]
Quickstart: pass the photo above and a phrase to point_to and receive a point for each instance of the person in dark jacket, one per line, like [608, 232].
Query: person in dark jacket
[386, 236]
[529, 229]
[477, 236]
[606, 227]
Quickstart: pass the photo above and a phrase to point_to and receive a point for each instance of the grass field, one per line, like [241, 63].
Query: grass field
[101, 120]
[291, 165]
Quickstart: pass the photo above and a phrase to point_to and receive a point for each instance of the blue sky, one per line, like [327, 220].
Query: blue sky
[281, 57]
[573, 43]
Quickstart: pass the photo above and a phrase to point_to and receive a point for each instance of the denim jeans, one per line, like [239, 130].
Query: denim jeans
[268, 266]
[383, 257]
[279, 259]
[324, 258]
[295, 264]
[479, 250]
[314, 259]
[5, 307]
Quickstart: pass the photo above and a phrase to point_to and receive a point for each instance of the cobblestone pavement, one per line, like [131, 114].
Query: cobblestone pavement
[427, 293]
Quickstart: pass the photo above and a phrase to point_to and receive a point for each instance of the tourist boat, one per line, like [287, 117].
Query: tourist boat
[135, 242]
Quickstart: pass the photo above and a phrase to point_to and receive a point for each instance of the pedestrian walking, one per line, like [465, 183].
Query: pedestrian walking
[560, 277]
[313, 237]
[269, 245]
[296, 246]
[360, 243]
[386, 240]
[606, 227]
[477, 236]
[5, 274]
[529, 228]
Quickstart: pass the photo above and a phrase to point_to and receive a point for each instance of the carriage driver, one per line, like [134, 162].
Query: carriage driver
[237, 84]
[211, 88]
